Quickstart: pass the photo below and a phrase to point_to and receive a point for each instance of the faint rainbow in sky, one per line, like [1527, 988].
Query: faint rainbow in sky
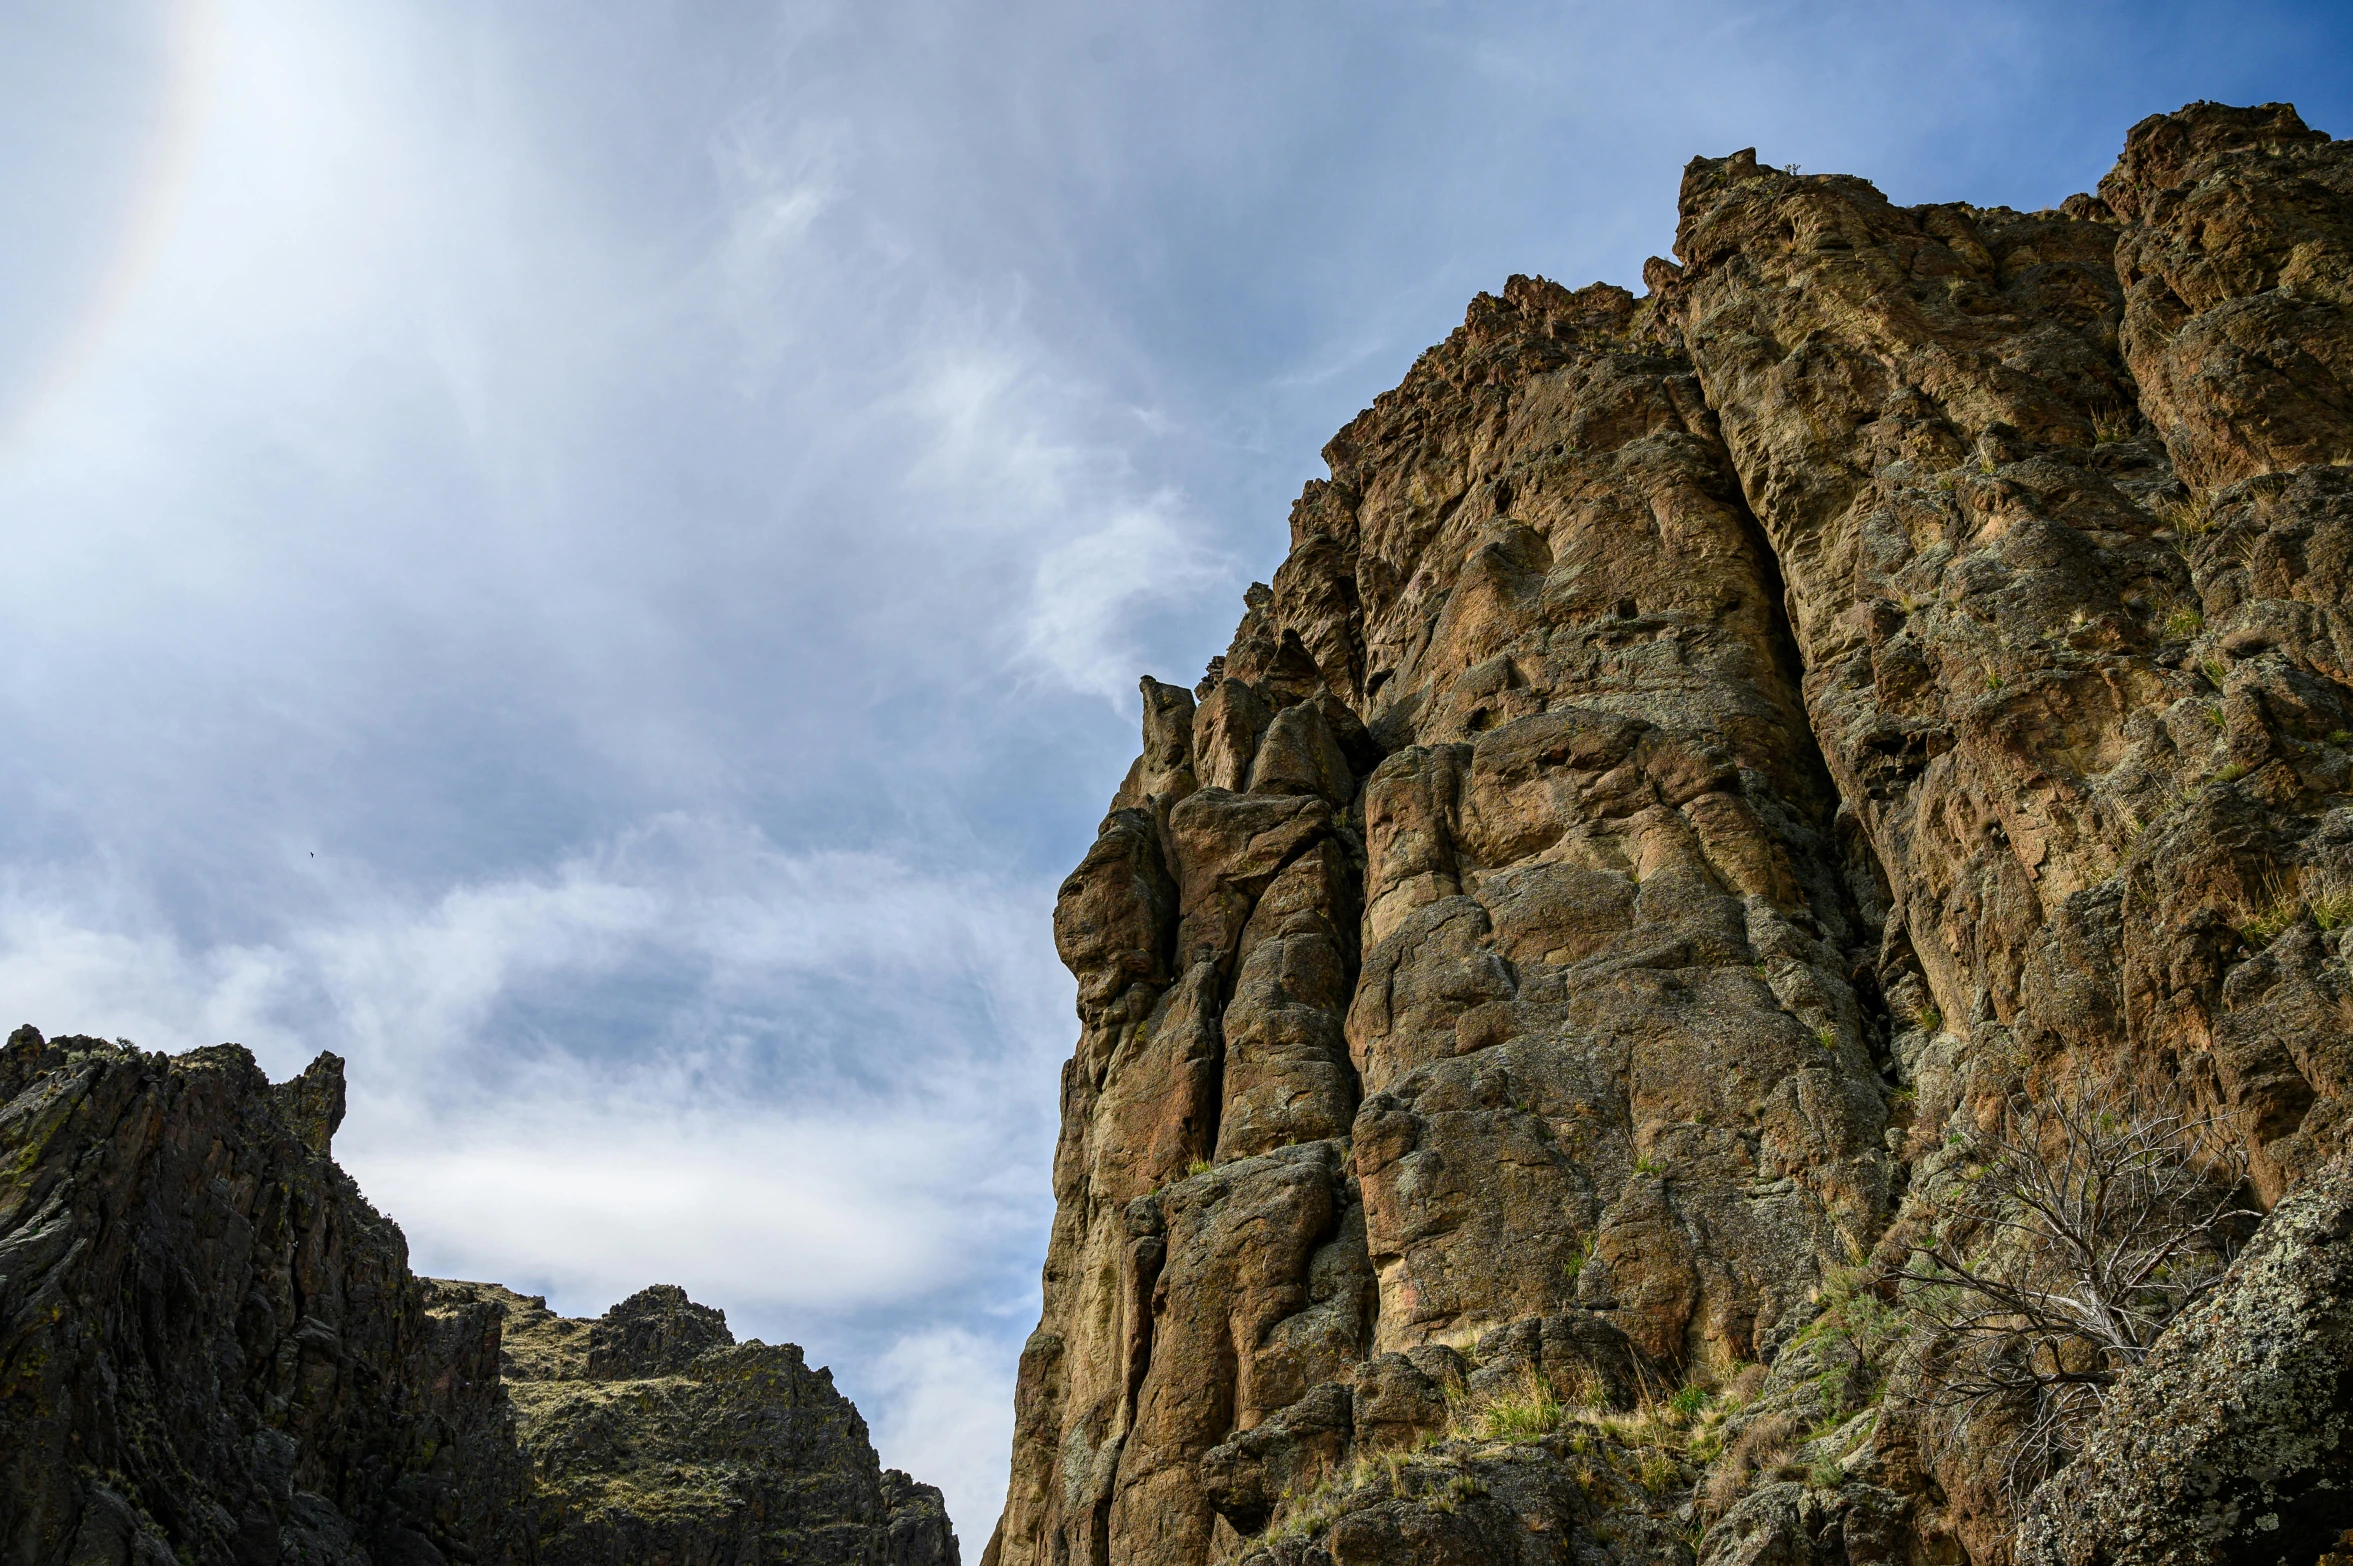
[148, 217]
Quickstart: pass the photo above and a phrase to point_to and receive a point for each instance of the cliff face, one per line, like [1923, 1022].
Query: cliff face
[211, 1346]
[1698, 753]
[213, 1353]
[655, 1436]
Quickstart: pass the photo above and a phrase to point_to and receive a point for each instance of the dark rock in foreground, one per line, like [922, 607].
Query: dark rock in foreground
[2235, 1441]
[213, 1353]
[211, 1346]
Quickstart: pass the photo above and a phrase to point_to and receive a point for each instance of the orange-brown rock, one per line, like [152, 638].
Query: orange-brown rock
[1695, 747]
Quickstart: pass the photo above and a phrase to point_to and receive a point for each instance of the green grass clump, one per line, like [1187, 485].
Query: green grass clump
[2330, 910]
[2184, 622]
[2191, 516]
[2259, 929]
[2111, 422]
[1528, 1415]
[1199, 1166]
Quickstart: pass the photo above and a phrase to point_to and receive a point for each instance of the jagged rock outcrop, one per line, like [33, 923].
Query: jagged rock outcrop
[1697, 750]
[654, 1436]
[213, 1353]
[211, 1347]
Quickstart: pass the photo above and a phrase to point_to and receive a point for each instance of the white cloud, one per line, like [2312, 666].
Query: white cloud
[754, 1206]
[82, 971]
[1089, 590]
[775, 182]
[944, 1414]
[599, 1156]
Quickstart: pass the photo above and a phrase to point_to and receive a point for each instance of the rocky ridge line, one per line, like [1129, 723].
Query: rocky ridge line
[655, 1436]
[213, 1353]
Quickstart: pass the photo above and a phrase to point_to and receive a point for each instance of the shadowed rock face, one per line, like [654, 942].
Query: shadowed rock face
[211, 1346]
[212, 1353]
[654, 1332]
[1695, 749]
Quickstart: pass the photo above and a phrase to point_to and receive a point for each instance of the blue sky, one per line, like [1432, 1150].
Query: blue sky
[594, 559]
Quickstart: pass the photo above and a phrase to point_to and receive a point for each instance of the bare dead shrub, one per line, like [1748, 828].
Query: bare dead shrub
[2069, 1239]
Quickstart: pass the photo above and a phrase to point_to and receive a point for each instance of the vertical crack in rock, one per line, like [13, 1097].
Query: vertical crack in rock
[1697, 750]
[1502, 837]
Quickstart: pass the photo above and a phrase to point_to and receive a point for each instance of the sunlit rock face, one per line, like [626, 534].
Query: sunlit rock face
[1698, 751]
[655, 1436]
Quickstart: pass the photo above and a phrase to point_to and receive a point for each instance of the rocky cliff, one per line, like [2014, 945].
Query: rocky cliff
[655, 1436]
[213, 1353]
[1702, 756]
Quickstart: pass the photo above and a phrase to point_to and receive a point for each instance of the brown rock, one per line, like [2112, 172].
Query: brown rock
[1694, 749]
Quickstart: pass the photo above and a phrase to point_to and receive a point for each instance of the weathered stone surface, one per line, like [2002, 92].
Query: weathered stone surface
[917, 1531]
[212, 1353]
[2237, 267]
[211, 1347]
[654, 1332]
[654, 1436]
[2234, 1441]
[1789, 1524]
[1695, 748]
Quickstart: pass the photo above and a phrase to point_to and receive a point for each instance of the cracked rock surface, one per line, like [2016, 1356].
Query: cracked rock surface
[1699, 752]
[213, 1353]
[654, 1436]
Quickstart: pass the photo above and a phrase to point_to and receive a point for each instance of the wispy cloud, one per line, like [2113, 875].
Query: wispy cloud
[942, 1390]
[1088, 591]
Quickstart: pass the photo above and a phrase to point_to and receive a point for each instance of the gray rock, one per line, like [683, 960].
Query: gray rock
[2233, 1441]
